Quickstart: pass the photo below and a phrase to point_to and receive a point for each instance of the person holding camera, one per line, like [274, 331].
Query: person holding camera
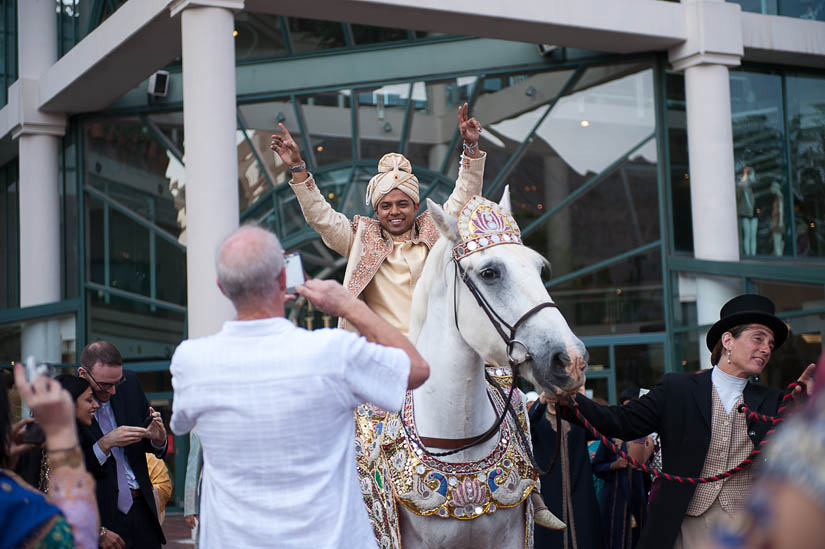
[67, 516]
[34, 465]
[124, 429]
[273, 405]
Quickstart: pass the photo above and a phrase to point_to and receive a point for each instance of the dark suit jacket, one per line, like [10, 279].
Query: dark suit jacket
[585, 508]
[679, 409]
[130, 407]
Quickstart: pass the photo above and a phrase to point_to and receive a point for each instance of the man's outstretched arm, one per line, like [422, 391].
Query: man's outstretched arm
[332, 298]
[471, 168]
[334, 227]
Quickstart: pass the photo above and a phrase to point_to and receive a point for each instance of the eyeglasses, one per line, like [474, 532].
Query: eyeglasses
[105, 386]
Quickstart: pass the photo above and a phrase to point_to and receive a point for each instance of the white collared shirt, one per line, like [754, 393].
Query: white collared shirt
[728, 387]
[273, 406]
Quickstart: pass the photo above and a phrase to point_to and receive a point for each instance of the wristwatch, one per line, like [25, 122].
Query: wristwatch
[299, 168]
[102, 532]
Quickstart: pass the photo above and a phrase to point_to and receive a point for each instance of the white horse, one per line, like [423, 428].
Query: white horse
[455, 402]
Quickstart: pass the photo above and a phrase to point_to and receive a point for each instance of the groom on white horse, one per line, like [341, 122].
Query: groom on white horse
[384, 257]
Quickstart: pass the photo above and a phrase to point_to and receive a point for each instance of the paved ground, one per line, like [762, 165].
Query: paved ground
[176, 532]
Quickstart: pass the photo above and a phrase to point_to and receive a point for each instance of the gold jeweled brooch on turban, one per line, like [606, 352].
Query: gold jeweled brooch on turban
[483, 223]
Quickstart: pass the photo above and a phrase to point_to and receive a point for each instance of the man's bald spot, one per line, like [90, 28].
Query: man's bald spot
[248, 263]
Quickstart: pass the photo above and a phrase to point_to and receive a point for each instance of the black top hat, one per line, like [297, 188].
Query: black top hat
[748, 309]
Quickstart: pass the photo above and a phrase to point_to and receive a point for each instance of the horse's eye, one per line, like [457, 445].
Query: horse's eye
[489, 274]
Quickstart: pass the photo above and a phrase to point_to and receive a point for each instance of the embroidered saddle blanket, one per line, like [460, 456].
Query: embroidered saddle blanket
[394, 469]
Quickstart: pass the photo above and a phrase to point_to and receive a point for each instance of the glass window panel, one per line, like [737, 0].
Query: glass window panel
[803, 346]
[126, 162]
[329, 123]
[639, 366]
[381, 114]
[138, 330]
[599, 360]
[791, 296]
[55, 338]
[688, 287]
[610, 117]
[598, 388]
[686, 346]
[9, 237]
[310, 35]
[365, 34]
[434, 123]
[625, 297]
[258, 35]
[618, 214]
[68, 165]
[96, 254]
[759, 161]
[355, 202]
[805, 9]
[758, 6]
[170, 265]
[260, 121]
[155, 382]
[129, 259]
[806, 120]
[680, 181]
[252, 176]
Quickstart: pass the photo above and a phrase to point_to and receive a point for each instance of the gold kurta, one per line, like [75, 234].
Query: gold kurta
[390, 291]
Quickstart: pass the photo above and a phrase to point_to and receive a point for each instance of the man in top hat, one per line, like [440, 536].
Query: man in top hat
[702, 431]
[384, 256]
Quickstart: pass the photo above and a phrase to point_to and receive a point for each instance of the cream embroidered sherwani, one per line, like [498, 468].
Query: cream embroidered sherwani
[380, 269]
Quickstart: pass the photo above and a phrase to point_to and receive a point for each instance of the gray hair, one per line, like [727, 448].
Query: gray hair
[248, 264]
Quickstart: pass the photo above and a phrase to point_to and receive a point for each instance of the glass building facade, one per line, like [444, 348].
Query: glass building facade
[593, 148]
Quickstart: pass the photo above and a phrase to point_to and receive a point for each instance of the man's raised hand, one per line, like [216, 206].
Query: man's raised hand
[286, 147]
[470, 128]
[327, 295]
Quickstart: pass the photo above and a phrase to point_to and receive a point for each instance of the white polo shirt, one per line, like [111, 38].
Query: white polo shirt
[273, 405]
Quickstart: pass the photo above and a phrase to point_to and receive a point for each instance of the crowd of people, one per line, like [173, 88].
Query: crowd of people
[269, 411]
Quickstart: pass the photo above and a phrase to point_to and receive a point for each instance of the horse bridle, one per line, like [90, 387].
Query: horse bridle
[510, 340]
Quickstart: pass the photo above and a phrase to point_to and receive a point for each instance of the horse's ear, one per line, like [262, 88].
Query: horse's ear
[505, 200]
[447, 224]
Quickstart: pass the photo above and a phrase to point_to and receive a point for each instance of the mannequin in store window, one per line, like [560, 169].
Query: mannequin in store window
[746, 210]
[777, 220]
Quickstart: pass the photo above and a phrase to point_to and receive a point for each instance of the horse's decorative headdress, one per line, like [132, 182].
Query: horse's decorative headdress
[483, 223]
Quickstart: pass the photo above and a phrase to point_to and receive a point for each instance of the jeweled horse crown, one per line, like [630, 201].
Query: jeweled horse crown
[482, 224]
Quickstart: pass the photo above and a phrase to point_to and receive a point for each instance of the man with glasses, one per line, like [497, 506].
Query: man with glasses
[124, 429]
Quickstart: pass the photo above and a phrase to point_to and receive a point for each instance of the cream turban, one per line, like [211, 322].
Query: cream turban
[394, 172]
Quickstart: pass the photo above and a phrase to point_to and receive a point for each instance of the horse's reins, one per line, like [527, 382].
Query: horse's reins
[509, 339]
[747, 462]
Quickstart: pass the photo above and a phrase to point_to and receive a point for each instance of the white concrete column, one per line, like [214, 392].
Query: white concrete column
[712, 187]
[39, 138]
[209, 123]
[705, 58]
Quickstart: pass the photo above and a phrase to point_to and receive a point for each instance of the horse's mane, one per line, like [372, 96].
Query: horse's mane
[434, 267]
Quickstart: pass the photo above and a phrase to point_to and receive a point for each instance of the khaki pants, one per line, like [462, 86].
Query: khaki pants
[695, 531]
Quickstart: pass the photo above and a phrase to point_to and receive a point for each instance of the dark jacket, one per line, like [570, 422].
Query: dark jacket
[130, 407]
[679, 409]
[585, 508]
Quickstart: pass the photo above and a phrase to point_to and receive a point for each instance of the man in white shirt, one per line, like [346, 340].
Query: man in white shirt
[273, 405]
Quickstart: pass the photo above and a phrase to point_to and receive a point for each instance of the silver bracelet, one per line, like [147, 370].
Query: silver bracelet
[471, 149]
[299, 168]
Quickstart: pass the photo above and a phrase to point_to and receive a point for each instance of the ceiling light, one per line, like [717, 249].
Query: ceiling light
[585, 123]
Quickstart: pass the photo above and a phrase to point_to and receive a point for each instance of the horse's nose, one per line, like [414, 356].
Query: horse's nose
[574, 363]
